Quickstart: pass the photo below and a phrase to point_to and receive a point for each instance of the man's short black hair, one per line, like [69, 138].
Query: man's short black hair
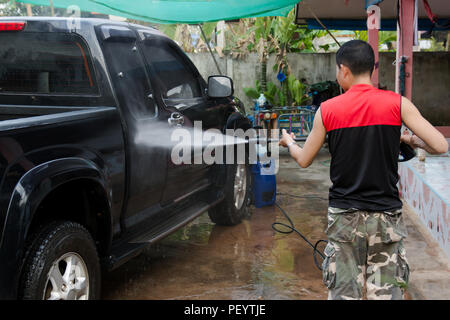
[357, 55]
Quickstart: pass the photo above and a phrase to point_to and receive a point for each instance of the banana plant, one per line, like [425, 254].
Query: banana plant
[263, 29]
[240, 39]
[297, 90]
[273, 94]
[253, 93]
[384, 37]
[286, 37]
[169, 30]
[181, 33]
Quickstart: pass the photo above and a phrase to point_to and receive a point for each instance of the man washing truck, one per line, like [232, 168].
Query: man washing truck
[365, 225]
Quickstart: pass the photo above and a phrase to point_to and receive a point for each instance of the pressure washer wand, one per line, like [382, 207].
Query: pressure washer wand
[271, 140]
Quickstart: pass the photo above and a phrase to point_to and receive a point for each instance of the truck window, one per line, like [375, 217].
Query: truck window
[176, 80]
[45, 63]
[127, 69]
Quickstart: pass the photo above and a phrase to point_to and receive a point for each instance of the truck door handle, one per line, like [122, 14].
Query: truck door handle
[176, 119]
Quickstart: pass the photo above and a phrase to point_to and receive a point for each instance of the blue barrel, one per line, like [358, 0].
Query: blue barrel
[264, 184]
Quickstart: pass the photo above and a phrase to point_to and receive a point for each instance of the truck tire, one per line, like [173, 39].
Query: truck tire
[61, 264]
[234, 207]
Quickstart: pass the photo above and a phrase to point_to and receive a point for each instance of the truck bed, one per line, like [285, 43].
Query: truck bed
[15, 117]
[17, 112]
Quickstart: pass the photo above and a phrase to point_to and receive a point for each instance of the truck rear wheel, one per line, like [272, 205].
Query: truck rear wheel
[234, 207]
[61, 264]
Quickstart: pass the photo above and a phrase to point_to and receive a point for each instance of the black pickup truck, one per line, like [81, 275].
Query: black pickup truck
[78, 194]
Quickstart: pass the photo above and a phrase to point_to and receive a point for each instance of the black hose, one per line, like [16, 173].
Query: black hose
[291, 228]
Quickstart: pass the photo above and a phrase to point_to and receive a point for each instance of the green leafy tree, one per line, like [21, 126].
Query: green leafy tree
[281, 35]
[240, 39]
[263, 29]
[182, 34]
[384, 38]
[297, 92]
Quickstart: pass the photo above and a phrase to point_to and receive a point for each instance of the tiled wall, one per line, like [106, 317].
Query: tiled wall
[426, 190]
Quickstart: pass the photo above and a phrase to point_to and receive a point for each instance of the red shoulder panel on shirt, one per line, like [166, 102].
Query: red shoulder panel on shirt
[361, 105]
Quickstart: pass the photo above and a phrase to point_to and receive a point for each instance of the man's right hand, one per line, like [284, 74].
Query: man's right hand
[286, 138]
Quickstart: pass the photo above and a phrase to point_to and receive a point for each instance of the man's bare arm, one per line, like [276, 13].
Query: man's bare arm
[305, 156]
[425, 135]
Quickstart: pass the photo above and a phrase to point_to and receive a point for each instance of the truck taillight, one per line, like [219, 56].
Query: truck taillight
[12, 26]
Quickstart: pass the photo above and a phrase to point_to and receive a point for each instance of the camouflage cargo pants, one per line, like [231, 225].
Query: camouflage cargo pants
[365, 251]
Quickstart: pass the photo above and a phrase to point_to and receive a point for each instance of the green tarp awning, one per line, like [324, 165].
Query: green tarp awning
[178, 11]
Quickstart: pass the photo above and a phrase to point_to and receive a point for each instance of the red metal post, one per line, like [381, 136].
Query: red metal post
[405, 39]
[373, 25]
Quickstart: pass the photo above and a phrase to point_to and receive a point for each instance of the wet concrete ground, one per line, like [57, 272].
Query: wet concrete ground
[247, 261]
[430, 267]
[251, 261]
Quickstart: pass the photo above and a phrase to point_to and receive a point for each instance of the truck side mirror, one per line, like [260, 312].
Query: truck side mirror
[220, 86]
